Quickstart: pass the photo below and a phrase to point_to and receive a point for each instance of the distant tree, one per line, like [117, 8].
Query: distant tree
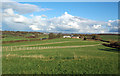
[96, 37]
[93, 37]
[51, 36]
[76, 34]
[84, 38]
[59, 35]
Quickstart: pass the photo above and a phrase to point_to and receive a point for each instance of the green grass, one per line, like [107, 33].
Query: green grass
[81, 60]
[39, 42]
[11, 37]
[74, 43]
[110, 37]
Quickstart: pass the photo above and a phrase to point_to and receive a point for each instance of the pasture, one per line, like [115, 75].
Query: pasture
[110, 37]
[59, 56]
[13, 36]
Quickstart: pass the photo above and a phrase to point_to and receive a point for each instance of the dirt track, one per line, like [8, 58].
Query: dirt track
[39, 44]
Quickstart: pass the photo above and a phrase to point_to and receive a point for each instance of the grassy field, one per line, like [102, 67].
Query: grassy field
[110, 37]
[67, 56]
[14, 37]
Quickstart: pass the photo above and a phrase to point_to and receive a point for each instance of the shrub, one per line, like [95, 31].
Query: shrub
[96, 37]
[84, 38]
[113, 44]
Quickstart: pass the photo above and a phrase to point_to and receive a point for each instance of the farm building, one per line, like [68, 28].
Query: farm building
[66, 36]
[71, 37]
[75, 37]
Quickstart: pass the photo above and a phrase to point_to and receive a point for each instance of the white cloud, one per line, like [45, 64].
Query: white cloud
[65, 23]
[45, 9]
[22, 8]
[68, 23]
[113, 25]
[33, 27]
[19, 19]
[7, 1]
[9, 11]
[96, 26]
[43, 16]
[12, 21]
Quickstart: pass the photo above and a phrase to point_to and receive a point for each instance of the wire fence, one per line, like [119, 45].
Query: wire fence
[18, 48]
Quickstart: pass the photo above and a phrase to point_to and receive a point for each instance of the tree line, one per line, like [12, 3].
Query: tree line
[52, 35]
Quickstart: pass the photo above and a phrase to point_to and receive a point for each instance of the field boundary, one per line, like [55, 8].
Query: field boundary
[36, 48]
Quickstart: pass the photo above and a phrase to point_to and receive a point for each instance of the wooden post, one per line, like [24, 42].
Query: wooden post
[11, 48]
[6, 48]
[26, 48]
[19, 48]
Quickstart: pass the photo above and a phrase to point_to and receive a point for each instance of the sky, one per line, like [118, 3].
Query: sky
[65, 0]
[102, 11]
[64, 17]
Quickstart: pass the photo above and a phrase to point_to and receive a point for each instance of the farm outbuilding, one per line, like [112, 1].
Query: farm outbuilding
[71, 36]
[66, 36]
[76, 37]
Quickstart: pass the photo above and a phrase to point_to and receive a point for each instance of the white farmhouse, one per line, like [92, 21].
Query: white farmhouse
[66, 36]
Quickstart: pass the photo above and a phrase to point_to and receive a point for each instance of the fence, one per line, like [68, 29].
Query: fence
[23, 48]
[18, 48]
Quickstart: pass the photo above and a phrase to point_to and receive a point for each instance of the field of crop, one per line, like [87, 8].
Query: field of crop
[59, 56]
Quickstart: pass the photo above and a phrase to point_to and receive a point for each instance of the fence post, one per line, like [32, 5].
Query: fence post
[11, 48]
